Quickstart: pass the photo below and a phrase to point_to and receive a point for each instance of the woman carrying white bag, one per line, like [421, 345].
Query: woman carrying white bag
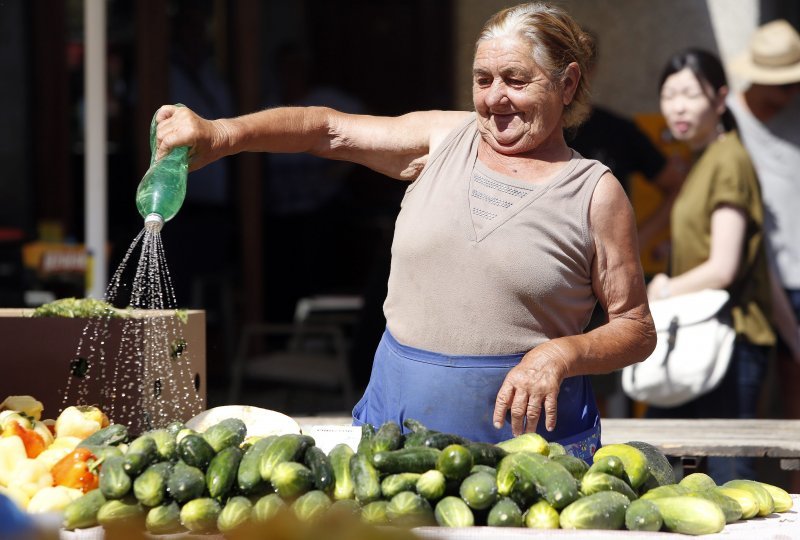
[717, 241]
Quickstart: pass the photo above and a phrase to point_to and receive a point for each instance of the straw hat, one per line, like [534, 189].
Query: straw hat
[773, 57]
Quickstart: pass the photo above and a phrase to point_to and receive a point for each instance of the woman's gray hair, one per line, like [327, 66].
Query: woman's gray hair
[556, 41]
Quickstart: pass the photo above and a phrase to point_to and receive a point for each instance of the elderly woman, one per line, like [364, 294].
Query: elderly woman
[505, 241]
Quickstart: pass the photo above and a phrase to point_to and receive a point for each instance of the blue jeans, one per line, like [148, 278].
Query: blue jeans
[735, 397]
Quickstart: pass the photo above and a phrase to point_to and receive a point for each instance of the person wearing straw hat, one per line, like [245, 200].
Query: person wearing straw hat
[768, 115]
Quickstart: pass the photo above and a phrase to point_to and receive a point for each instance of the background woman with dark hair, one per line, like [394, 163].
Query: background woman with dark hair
[717, 227]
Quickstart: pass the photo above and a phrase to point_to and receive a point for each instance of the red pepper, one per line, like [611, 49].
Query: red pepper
[78, 469]
[33, 442]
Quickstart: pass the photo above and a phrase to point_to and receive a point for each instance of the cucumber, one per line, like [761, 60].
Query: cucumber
[454, 462]
[657, 463]
[486, 453]
[555, 449]
[365, 443]
[552, 481]
[595, 482]
[766, 505]
[729, 506]
[225, 433]
[514, 474]
[291, 479]
[603, 510]
[690, 515]
[222, 471]
[287, 447]
[388, 437]
[320, 466]
[541, 516]
[781, 498]
[186, 482]
[505, 513]
[111, 435]
[609, 465]
[114, 482]
[442, 440]
[175, 427]
[633, 460]
[102, 453]
[122, 513]
[414, 425]
[201, 515]
[393, 484]
[140, 454]
[697, 482]
[453, 512]
[416, 460]
[408, 509]
[483, 468]
[417, 439]
[194, 450]
[150, 487]
[248, 477]
[311, 506]
[339, 457]
[366, 482]
[671, 490]
[164, 519]
[375, 513]
[643, 515]
[576, 466]
[346, 507]
[527, 442]
[266, 508]
[431, 485]
[235, 514]
[747, 501]
[82, 512]
[479, 491]
[166, 445]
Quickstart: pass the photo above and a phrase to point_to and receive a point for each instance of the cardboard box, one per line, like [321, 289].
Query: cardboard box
[143, 371]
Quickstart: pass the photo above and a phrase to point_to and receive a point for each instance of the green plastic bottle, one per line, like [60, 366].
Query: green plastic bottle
[163, 187]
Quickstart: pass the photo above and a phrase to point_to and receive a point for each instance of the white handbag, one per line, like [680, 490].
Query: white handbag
[695, 343]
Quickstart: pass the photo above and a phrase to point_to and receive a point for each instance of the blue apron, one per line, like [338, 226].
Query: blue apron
[456, 394]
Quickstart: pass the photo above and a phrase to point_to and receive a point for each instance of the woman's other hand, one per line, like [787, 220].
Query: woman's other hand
[658, 288]
[209, 140]
[532, 385]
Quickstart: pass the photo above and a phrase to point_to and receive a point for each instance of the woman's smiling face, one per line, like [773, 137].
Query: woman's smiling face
[519, 108]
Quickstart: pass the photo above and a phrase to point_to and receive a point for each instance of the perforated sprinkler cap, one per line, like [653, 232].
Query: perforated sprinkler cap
[153, 222]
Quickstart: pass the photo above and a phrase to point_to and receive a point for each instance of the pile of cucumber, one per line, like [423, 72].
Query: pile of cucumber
[173, 479]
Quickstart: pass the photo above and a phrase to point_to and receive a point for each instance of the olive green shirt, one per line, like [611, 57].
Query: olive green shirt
[724, 174]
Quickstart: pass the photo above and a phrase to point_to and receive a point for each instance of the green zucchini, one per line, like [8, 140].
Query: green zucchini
[690, 515]
[486, 453]
[311, 506]
[82, 512]
[366, 481]
[408, 509]
[431, 485]
[122, 513]
[291, 479]
[287, 447]
[114, 482]
[164, 519]
[235, 514]
[541, 516]
[267, 507]
[393, 484]
[576, 466]
[140, 454]
[222, 471]
[416, 460]
[248, 477]
[388, 437]
[595, 482]
[375, 513]
[320, 466]
[766, 505]
[111, 435]
[194, 450]
[505, 513]
[201, 515]
[225, 433]
[633, 460]
[454, 462]
[339, 457]
[643, 515]
[150, 487]
[186, 482]
[453, 512]
[603, 510]
[479, 491]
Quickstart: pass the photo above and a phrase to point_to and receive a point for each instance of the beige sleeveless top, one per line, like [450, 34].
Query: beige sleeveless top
[484, 264]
